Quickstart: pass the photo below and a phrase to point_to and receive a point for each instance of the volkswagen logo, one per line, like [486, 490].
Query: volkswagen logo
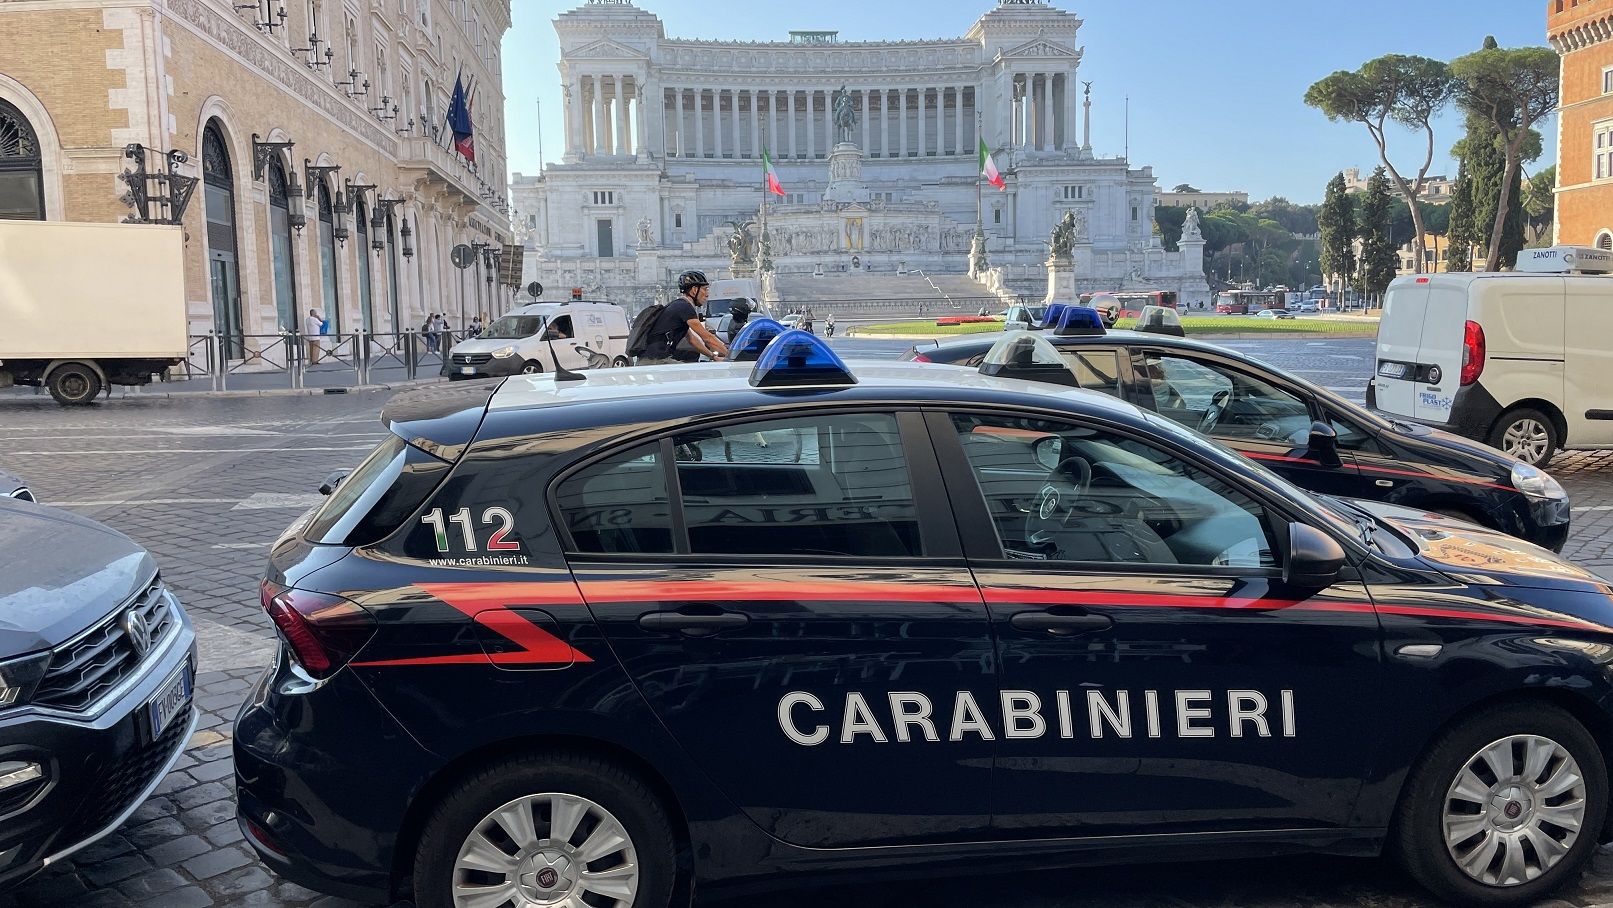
[137, 630]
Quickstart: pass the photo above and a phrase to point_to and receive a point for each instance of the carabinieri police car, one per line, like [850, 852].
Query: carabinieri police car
[615, 641]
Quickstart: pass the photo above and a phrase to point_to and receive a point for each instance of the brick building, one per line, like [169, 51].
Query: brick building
[1581, 31]
[271, 230]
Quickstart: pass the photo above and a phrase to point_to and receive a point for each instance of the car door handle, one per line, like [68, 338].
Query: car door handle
[1061, 623]
[691, 625]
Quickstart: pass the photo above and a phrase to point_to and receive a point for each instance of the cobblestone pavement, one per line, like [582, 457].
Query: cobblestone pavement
[206, 483]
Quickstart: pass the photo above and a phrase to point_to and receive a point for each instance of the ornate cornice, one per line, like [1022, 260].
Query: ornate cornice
[1585, 34]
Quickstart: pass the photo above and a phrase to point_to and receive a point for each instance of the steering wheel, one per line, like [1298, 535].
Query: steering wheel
[1212, 414]
[1066, 484]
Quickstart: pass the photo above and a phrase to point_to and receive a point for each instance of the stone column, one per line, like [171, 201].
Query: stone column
[755, 123]
[1070, 117]
[700, 122]
[884, 123]
[623, 123]
[923, 105]
[601, 121]
[716, 122]
[901, 112]
[772, 122]
[739, 127]
[862, 97]
[682, 147]
[812, 125]
[789, 122]
[940, 121]
[957, 113]
[574, 116]
[1044, 113]
[644, 111]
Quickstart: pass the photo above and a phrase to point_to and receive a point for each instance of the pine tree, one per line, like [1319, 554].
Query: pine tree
[1379, 257]
[1463, 235]
[1483, 153]
[1337, 224]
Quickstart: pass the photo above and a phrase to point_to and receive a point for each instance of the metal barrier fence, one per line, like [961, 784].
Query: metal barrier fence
[410, 354]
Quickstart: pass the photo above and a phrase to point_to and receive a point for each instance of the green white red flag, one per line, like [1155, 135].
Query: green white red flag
[770, 175]
[988, 167]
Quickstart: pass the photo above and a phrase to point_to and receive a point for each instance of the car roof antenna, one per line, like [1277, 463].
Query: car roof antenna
[561, 373]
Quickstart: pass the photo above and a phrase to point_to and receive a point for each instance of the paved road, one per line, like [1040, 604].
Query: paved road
[205, 483]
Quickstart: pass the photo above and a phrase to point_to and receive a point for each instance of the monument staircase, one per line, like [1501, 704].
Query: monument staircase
[880, 294]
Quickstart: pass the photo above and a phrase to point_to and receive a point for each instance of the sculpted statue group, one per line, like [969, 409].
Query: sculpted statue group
[739, 243]
[845, 114]
[1069, 231]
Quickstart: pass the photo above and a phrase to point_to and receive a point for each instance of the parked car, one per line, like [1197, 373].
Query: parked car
[12, 486]
[1274, 313]
[1271, 416]
[97, 670]
[1518, 360]
[543, 337]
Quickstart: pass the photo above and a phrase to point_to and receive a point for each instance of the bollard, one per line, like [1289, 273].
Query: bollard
[411, 362]
[217, 359]
[361, 359]
[294, 357]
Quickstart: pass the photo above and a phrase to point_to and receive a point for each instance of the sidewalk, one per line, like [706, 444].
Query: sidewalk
[326, 378]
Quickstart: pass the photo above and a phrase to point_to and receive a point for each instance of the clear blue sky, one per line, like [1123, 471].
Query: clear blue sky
[1216, 86]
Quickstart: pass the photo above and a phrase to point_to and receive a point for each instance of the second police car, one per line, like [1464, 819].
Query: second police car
[614, 641]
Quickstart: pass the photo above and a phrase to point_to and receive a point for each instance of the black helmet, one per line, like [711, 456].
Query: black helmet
[689, 280]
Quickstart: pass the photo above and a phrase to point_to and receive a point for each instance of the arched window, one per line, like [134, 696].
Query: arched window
[281, 247]
[1605, 241]
[328, 260]
[218, 192]
[392, 269]
[366, 302]
[22, 175]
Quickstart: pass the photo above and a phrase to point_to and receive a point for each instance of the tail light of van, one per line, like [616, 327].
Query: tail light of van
[324, 632]
[1472, 352]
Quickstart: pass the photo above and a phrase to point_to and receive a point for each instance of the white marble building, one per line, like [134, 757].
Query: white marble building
[664, 142]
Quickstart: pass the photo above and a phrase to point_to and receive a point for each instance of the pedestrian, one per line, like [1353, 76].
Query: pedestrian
[427, 331]
[445, 335]
[312, 327]
[475, 329]
[678, 334]
[829, 325]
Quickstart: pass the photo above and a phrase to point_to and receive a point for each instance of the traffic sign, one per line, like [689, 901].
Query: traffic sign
[463, 256]
[535, 288]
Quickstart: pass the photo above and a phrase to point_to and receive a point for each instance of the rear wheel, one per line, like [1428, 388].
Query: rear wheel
[532, 367]
[620, 362]
[1528, 435]
[559, 830]
[74, 384]
[1503, 808]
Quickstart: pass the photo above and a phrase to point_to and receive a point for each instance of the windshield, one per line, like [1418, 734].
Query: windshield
[514, 327]
[718, 308]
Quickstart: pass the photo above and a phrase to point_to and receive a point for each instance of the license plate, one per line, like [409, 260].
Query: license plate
[1392, 370]
[170, 702]
[468, 370]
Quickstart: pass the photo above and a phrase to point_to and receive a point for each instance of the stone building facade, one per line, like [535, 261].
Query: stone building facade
[665, 137]
[1581, 31]
[265, 101]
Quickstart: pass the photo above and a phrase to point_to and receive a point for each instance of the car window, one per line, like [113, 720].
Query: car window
[1095, 370]
[820, 485]
[1058, 492]
[560, 327]
[1352, 437]
[377, 496]
[1224, 403]
[619, 505]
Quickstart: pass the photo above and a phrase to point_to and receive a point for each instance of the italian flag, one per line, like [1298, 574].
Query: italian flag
[988, 167]
[770, 175]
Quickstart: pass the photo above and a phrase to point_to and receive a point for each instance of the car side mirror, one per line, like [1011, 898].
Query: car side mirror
[1314, 558]
[333, 482]
[1323, 445]
[1048, 451]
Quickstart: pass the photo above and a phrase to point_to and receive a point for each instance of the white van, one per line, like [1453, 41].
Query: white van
[720, 303]
[541, 336]
[1519, 360]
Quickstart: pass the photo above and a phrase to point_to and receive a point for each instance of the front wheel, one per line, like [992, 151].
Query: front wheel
[1528, 435]
[559, 830]
[74, 384]
[532, 367]
[621, 362]
[1504, 808]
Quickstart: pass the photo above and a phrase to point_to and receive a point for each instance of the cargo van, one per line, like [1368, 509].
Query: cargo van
[540, 337]
[1518, 360]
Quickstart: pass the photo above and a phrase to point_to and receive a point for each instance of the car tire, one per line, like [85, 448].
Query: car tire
[532, 367]
[620, 362]
[1463, 755]
[595, 792]
[74, 384]
[1529, 435]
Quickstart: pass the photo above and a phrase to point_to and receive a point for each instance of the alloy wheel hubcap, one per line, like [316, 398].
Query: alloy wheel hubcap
[1526, 440]
[547, 851]
[1514, 810]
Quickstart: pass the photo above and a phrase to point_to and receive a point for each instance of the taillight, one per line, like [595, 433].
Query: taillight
[1472, 352]
[323, 631]
[919, 358]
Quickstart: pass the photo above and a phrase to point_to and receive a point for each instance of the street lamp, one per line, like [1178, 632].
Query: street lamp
[408, 237]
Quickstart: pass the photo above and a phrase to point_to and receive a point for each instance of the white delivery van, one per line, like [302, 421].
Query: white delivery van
[66, 326]
[542, 337]
[720, 303]
[1520, 360]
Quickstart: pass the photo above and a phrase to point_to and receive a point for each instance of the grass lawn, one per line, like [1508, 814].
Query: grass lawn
[1195, 327]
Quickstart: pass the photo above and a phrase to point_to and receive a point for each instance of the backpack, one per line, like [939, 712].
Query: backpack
[638, 337]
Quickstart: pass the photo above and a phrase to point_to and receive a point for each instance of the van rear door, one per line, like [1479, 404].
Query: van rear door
[1439, 363]
[1400, 334]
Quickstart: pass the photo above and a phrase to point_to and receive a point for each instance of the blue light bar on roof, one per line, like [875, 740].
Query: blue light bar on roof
[1080, 321]
[796, 359]
[753, 339]
[1050, 319]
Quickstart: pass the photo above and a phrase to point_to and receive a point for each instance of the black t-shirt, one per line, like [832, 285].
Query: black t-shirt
[670, 328]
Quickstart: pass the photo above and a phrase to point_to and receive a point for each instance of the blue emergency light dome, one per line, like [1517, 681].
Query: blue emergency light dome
[1054, 312]
[753, 339]
[1080, 321]
[795, 359]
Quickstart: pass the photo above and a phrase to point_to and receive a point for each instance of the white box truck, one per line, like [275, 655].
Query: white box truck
[86, 306]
